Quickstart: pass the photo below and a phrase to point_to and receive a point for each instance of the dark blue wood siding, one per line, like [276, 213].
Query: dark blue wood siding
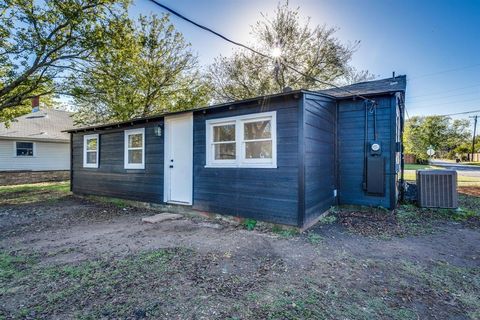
[259, 193]
[111, 179]
[319, 154]
[351, 124]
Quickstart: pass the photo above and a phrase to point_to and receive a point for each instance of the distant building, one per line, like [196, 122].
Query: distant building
[34, 148]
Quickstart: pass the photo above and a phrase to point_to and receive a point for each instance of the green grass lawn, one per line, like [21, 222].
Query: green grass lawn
[409, 166]
[34, 192]
[472, 163]
[410, 175]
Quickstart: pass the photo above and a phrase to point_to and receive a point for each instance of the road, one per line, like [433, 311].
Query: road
[462, 169]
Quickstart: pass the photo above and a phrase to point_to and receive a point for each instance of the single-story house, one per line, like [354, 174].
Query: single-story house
[284, 158]
[34, 148]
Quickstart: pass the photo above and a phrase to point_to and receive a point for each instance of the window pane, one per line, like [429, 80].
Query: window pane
[24, 149]
[257, 130]
[135, 140]
[25, 145]
[258, 150]
[134, 156]
[92, 144]
[224, 133]
[91, 157]
[225, 151]
[25, 152]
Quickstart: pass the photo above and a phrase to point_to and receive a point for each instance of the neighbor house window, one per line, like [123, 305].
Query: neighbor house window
[90, 151]
[24, 149]
[243, 141]
[135, 149]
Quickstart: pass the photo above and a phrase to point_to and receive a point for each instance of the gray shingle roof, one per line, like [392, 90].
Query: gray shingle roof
[397, 84]
[366, 88]
[44, 125]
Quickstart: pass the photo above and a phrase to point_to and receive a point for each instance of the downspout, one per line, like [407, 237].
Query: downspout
[337, 176]
[301, 164]
[71, 161]
[402, 155]
[365, 146]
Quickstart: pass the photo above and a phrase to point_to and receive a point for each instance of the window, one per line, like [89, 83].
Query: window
[24, 149]
[135, 149]
[90, 151]
[243, 141]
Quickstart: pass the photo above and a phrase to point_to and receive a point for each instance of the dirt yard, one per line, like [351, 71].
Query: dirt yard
[64, 257]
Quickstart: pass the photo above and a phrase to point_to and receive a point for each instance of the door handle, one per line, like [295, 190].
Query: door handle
[171, 166]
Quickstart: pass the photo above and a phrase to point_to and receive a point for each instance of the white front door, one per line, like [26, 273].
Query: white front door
[178, 159]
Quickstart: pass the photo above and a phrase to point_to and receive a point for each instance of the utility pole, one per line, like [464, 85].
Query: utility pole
[474, 134]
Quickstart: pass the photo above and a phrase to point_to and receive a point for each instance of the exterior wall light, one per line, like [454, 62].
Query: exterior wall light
[158, 131]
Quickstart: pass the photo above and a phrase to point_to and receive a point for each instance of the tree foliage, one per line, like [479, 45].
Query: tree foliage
[41, 41]
[316, 52]
[146, 69]
[440, 132]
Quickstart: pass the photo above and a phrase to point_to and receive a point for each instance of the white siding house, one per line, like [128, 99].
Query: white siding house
[35, 142]
[46, 156]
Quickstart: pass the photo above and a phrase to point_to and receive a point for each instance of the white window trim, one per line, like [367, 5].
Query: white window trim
[28, 157]
[85, 140]
[134, 165]
[240, 161]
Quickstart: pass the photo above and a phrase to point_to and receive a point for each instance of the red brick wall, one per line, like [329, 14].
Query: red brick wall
[23, 177]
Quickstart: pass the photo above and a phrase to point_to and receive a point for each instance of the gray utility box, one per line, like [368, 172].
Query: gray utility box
[437, 188]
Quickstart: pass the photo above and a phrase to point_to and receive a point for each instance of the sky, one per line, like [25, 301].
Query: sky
[435, 43]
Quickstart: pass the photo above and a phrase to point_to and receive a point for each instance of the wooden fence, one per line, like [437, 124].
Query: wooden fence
[474, 157]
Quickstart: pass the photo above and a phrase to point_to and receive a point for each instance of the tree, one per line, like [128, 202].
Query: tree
[42, 41]
[440, 132]
[314, 51]
[147, 69]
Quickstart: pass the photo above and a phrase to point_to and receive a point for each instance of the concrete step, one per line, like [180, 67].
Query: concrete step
[162, 217]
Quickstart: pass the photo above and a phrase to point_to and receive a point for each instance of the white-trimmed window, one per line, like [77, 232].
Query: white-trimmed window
[242, 141]
[24, 149]
[135, 149]
[90, 151]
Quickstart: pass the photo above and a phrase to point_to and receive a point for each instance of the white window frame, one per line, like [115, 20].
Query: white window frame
[240, 160]
[126, 149]
[33, 149]
[85, 142]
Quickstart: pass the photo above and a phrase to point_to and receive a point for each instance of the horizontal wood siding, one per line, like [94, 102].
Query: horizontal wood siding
[47, 156]
[319, 155]
[110, 178]
[351, 124]
[260, 193]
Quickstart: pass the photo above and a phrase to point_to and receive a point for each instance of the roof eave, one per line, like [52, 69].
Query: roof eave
[162, 115]
[34, 139]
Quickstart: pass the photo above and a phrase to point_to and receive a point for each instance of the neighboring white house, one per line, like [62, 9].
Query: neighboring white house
[35, 142]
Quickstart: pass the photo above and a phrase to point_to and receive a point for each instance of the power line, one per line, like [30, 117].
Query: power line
[458, 113]
[179, 15]
[444, 71]
[447, 96]
[443, 91]
[427, 104]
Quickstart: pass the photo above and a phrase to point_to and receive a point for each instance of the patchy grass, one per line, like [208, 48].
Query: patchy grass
[249, 224]
[181, 282]
[234, 275]
[120, 203]
[35, 192]
[84, 289]
[286, 232]
[459, 285]
[327, 219]
[314, 238]
[408, 219]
